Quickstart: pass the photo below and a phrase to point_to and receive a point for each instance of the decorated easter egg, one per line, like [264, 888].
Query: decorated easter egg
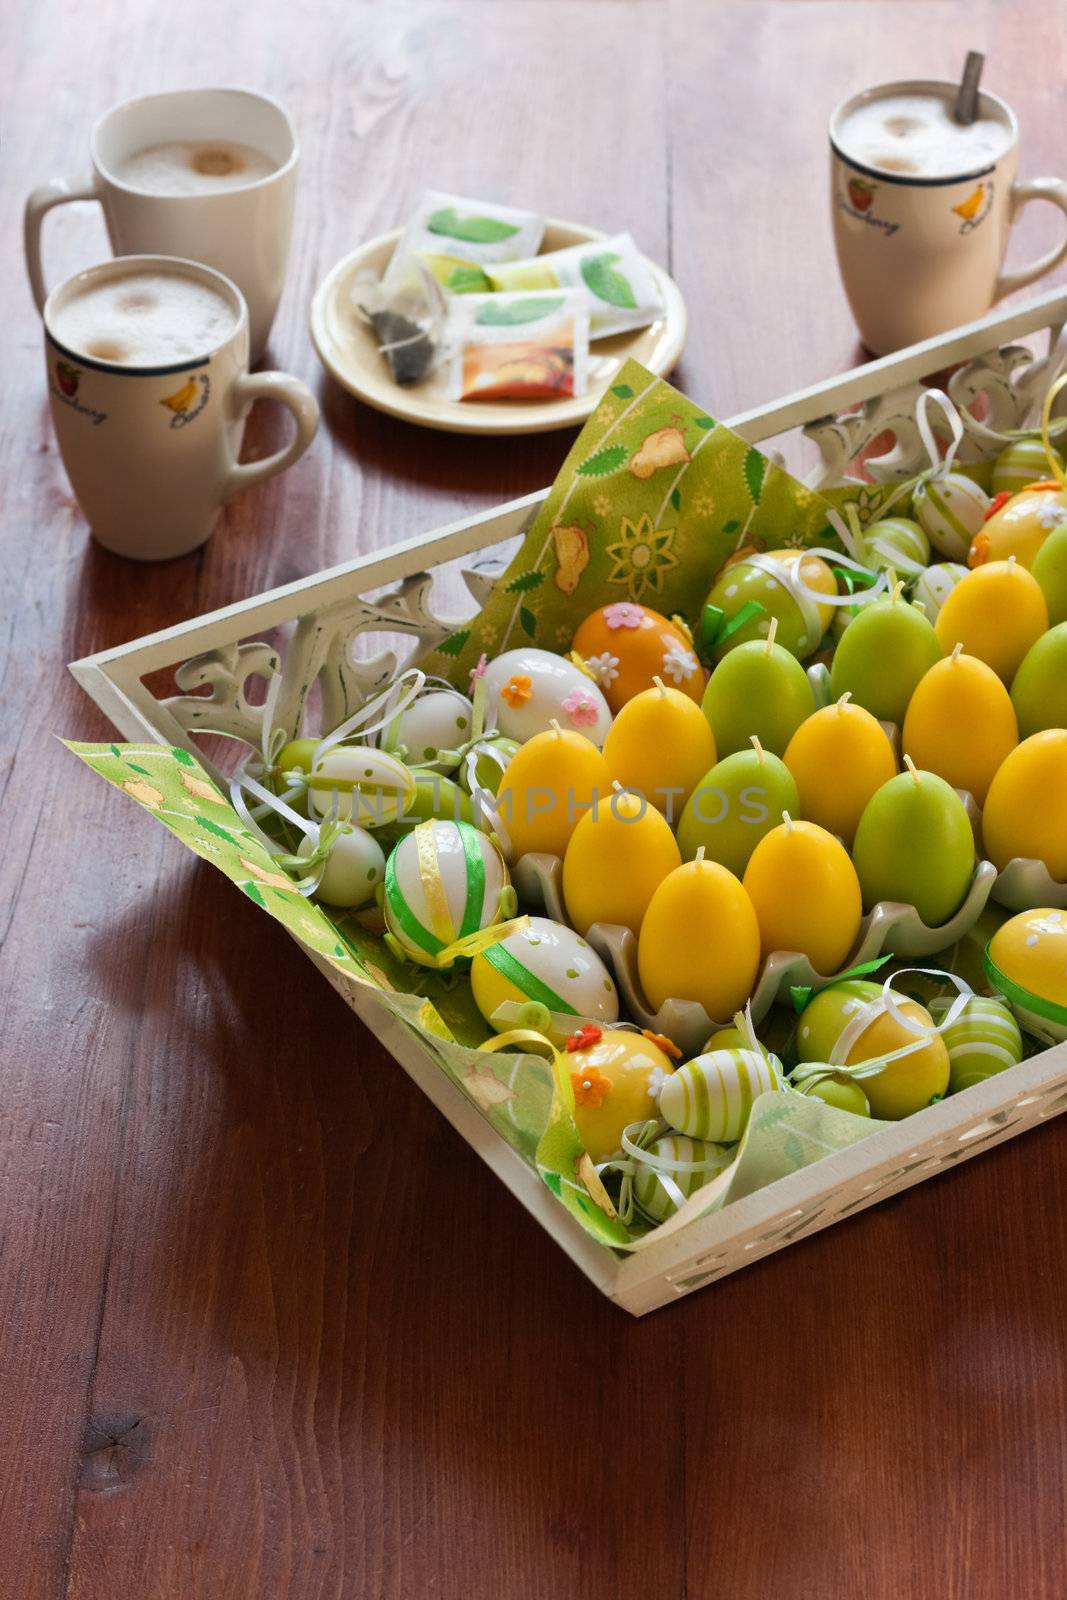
[365, 785]
[353, 869]
[549, 965]
[915, 844]
[297, 755]
[529, 689]
[687, 1164]
[1019, 464]
[898, 545]
[932, 588]
[617, 856]
[553, 778]
[443, 881]
[757, 689]
[995, 614]
[1026, 962]
[615, 1076]
[712, 1096]
[734, 805]
[951, 509]
[1050, 570]
[699, 940]
[882, 657]
[806, 894]
[839, 757]
[440, 719]
[1039, 688]
[1020, 527]
[839, 1091]
[484, 764]
[960, 724]
[1025, 811]
[660, 745]
[781, 584]
[851, 1022]
[625, 646]
[983, 1040]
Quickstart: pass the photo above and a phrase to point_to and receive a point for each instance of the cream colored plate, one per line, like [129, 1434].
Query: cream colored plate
[349, 352]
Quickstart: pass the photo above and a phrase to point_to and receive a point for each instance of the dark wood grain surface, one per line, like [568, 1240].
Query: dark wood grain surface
[267, 1327]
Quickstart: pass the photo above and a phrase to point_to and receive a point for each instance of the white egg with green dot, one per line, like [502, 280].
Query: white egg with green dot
[933, 587]
[547, 964]
[950, 509]
[353, 869]
[443, 882]
[358, 783]
[711, 1096]
[984, 1039]
[438, 720]
[687, 1164]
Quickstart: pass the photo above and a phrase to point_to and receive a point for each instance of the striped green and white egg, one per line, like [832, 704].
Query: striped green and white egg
[548, 964]
[353, 870]
[711, 1096]
[438, 720]
[983, 1040]
[1021, 464]
[897, 544]
[699, 1161]
[443, 881]
[370, 786]
[950, 509]
[933, 587]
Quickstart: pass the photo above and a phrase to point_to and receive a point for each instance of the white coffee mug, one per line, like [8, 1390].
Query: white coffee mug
[921, 255]
[151, 452]
[243, 232]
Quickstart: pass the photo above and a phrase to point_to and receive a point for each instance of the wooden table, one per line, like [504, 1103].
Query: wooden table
[269, 1328]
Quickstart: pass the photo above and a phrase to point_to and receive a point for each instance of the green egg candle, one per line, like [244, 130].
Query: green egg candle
[849, 1023]
[838, 758]
[443, 881]
[782, 585]
[805, 893]
[438, 796]
[932, 588]
[1025, 811]
[734, 805]
[549, 784]
[758, 689]
[1020, 527]
[897, 544]
[915, 845]
[984, 1040]
[995, 614]
[883, 655]
[549, 965]
[688, 1164]
[1050, 570]
[699, 940]
[1039, 688]
[1026, 961]
[619, 853]
[711, 1097]
[951, 509]
[960, 723]
[660, 744]
[837, 1090]
[1020, 464]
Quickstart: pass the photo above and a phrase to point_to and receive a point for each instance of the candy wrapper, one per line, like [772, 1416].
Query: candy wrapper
[458, 238]
[622, 291]
[519, 346]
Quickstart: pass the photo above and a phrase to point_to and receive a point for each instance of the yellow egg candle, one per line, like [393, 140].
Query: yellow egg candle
[660, 744]
[839, 758]
[625, 646]
[1025, 812]
[617, 857]
[996, 613]
[960, 723]
[547, 786]
[1021, 526]
[615, 1076]
[699, 940]
[806, 894]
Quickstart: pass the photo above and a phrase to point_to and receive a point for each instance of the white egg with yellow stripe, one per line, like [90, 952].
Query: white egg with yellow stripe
[933, 587]
[545, 964]
[686, 1164]
[984, 1040]
[367, 786]
[711, 1096]
[950, 509]
[444, 882]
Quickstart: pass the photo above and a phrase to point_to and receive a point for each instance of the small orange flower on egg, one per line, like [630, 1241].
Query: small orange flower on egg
[668, 1046]
[517, 690]
[591, 1088]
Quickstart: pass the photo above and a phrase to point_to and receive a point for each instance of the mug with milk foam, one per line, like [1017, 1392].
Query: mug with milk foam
[147, 368]
[204, 174]
[923, 207]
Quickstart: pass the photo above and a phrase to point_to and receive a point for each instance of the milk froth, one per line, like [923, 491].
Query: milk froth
[916, 135]
[144, 319]
[194, 166]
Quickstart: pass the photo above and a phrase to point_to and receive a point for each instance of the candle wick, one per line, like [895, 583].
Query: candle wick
[898, 590]
[787, 819]
[771, 632]
[1011, 560]
[909, 763]
[760, 752]
[844, 700]
[700, 855]
[957, 650]
[659, 685]
[554, 725]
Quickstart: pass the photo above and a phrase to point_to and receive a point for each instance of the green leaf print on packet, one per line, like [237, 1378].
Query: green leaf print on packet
[471, 229]
[603, 280]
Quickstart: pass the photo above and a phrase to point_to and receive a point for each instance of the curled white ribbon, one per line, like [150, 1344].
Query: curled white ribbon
[886, 1002]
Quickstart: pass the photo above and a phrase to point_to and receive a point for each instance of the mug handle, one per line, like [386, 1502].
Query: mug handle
[298, 399]
[1055, 191]
[41, 201]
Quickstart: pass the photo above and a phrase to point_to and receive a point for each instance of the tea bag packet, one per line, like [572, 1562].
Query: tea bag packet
[622, 291]
[408, 320]
[519, 346]
[458, 238]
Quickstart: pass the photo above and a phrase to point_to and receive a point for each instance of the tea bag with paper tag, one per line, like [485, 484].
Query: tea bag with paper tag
[408, 320]
[458, 238]
[519, 346]
[622, 291]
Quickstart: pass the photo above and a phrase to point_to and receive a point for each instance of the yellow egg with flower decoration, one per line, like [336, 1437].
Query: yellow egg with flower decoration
[615, 1076]
[753, 589]
[1026, 962]
[1020, 527]
[625, 647]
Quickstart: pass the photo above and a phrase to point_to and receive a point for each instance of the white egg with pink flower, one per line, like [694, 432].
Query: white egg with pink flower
[530, 689]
